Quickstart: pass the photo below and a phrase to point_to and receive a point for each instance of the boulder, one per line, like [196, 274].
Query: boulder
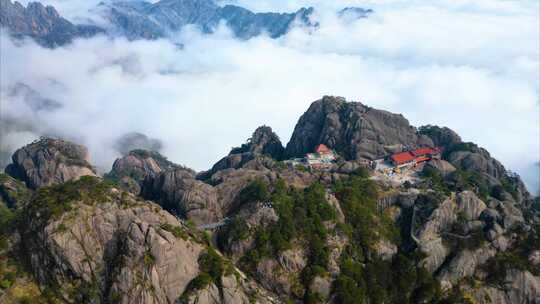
[231, 291]
[50, 161]
[440, 136]
[442, 166]
[478, 160]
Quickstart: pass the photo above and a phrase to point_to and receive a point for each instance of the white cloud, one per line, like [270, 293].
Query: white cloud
[469, 65]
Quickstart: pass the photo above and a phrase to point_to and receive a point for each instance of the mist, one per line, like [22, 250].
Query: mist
[470, 65]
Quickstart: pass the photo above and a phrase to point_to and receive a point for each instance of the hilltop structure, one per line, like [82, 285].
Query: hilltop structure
[414, 157]
[321, 157]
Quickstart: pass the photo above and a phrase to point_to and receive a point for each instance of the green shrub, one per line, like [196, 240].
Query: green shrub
[435, 180]
[53, 201]
[256, 191]
[200, 282]
[177, 231]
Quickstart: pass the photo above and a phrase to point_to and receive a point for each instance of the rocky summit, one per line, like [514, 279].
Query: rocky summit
[359, 207]
[354, 130]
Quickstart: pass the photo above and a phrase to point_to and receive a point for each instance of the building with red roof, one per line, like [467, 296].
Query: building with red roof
[322, 149]
[425, 152]
[415, 156]
[402, 158]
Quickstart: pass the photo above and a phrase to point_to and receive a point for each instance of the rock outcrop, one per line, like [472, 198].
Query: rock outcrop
[179, 192]
[443, 167]
[352, 129]
[50, 161]
[440, 136]
[131, 170]
[106, 245]
[263, 143]
[518, 287]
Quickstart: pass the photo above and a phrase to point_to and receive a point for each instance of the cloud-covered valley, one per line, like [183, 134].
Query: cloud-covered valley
[470, 65]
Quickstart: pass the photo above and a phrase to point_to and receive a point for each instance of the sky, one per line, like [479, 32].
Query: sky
[472, 66]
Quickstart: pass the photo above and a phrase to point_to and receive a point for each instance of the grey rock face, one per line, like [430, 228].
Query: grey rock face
[479, 161]
[263, 142]
[50, 161]
[354, 130]
[442, 166]
[131, 170]
[519, 287]
[114, 251]
[43, 23]
[470, 205]
[464, 265]
[231, 292]
[13, 193]
[430, 234]
[441, 136]
[178, 191]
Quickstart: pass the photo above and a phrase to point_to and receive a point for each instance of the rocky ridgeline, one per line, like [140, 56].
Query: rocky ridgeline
[466, 233]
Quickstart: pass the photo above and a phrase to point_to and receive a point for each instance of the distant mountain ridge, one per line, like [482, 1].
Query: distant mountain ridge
[145, 20]
[43, 23]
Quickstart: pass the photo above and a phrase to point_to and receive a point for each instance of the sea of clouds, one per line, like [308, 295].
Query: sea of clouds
[470, 65]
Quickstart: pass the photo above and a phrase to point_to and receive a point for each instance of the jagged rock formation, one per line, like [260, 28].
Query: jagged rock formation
[263, 142]
[50, 161]
[43, 23]
[354, 130]
[131, 170]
